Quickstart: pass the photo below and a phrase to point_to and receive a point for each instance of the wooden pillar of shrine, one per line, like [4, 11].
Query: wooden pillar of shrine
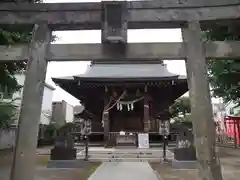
[105, 120]
[106, 126]
[146, 115]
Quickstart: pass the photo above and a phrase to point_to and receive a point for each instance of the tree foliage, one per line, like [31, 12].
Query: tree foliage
[224, 75]
[181, 107]
[8, 69]
[8, 82]
[7, 113]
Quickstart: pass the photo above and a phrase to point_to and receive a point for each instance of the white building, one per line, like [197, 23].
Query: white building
[46, 103]
[232, 109]
[62, 113]
[221, 110]
[7, 137]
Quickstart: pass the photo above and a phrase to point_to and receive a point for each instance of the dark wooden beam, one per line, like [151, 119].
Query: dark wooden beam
[150, 14]
[134, 51]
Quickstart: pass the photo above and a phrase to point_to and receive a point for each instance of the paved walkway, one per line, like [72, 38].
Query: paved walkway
[124, 171]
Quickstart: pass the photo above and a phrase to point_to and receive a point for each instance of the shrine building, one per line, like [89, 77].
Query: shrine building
[130, 96]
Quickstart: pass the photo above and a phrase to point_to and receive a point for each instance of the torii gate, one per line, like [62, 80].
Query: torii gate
[114, 18]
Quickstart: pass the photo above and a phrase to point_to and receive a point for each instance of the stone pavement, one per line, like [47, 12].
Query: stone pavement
[124, 171]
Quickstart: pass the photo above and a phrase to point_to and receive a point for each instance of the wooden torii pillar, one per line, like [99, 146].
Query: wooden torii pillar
[24, 159]
[201, 108]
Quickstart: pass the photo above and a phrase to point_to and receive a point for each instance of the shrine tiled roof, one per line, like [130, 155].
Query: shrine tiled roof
[139, 71]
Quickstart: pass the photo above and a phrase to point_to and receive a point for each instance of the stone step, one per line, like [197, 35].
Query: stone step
[135, 155]
[124, 147]
[125, 159]
[126, 154]
[118, 151]
[140, 154]
[122, 157]
[170, 144]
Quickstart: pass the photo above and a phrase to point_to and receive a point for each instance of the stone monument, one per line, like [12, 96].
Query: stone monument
[185, 150]
[64, 148]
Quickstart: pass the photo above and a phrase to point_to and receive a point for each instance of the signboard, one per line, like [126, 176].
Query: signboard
[126, 139]
[143, 140]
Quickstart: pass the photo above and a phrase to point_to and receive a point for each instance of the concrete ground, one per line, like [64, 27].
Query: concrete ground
[43, 173]
[230, 161]
[124, 171]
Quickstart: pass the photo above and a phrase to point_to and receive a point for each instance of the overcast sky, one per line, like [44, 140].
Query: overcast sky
[57, 69]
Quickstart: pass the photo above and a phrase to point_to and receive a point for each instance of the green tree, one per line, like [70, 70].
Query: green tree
[7, 113]
[8, 69]
[224, 75]
[8, 82]
[181, 107]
